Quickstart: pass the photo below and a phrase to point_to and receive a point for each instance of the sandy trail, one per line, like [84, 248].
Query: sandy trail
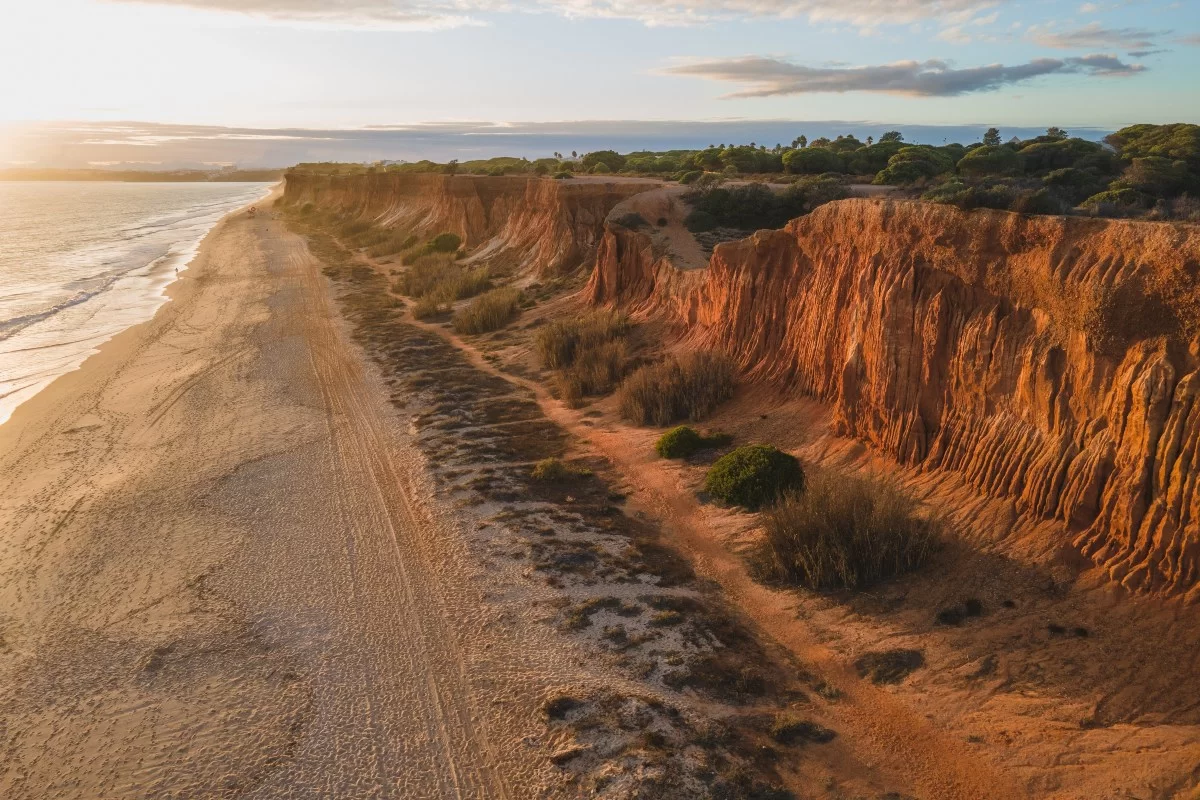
[1002, 710]
[216, 578]
[881, 737]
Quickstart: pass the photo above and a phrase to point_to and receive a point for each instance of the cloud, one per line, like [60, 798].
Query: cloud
[1193, 40]
[393, 14]
[1094, 36]
[435, 13]
[955, 35]
[771, 76]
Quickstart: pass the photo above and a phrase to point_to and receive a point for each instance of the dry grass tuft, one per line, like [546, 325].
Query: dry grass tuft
[440, 273]
[846, 532]
[555, 470]
[590, 354]
[690, 387]
[560, 343]
[490, 311]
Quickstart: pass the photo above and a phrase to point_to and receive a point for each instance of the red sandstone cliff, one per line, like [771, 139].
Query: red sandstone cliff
[542, 224]
[1049, 359]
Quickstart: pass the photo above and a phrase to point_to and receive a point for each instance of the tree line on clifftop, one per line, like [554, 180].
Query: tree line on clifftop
[1141, 170]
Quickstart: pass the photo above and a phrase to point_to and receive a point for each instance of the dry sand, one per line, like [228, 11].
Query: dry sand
[221, 575]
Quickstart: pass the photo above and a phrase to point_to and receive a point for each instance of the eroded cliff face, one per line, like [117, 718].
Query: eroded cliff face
[1052, 360]
[543, 225]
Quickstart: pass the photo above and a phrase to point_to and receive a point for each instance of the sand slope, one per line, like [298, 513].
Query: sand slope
[212, 578]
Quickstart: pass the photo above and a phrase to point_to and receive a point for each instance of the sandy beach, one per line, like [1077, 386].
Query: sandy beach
[219, 576]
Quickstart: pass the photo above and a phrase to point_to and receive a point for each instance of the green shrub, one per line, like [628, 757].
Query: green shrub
[813, 161]
[753, 476]
[846, 532]
[444, 243]
[989, 160]
[1073, 185]
[1116, 202]
[691, 176]
[689, 388]
[913, 163]
[563, 175]
[1036, 202]
[490, 311]
[679, 442]
[683, 441]
[700, 221]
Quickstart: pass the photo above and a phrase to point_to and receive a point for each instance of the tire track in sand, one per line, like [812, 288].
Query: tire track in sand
[381, 524]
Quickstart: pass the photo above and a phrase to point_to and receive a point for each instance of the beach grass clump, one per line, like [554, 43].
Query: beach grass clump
[424, 274]
[555, 470]
[441, 275]
[684, 441]
[443, 243]
[690, 387]
[431, 305]
[561, 342]
[844, 532]
[394, 242]
[753, 476]
[490, 311]
[590, 354]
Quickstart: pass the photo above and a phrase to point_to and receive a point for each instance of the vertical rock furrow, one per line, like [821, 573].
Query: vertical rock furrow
[1051, 360]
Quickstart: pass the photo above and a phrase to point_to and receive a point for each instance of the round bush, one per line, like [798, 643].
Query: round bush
[754, 476]
[444, 243]
[679, 442]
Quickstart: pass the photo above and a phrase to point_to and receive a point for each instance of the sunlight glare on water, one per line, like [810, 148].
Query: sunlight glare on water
[80, 262]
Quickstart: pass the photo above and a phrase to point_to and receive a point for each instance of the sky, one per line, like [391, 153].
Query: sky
[259, 82]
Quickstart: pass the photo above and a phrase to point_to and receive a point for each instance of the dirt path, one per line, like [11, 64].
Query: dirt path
[880, 736]
[218, 577]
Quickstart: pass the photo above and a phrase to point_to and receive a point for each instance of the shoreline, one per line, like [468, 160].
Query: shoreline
[223, 564]
[167, 294]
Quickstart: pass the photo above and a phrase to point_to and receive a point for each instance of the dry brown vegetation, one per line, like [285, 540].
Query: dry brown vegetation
[689, 387]
[590, 354]
[490, 311]
[845, 532]
[436, 280]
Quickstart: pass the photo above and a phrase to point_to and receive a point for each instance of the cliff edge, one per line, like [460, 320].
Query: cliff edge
[1050, 359]
[543, 225]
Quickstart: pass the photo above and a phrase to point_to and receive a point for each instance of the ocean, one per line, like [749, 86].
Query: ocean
[81, 262]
